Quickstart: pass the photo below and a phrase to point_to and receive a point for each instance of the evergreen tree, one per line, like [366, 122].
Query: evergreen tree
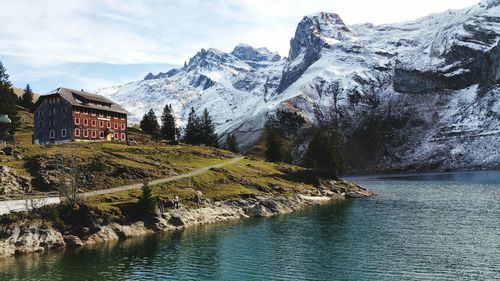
[147, 202]
[26, 100]
[232, 144]
[168, 128]
[8, 99]
[324, 153]
[193, 129]
[208, 135]
[275, 151]
[149, 124]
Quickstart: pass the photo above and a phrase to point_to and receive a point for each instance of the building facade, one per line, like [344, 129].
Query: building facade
[69, 115]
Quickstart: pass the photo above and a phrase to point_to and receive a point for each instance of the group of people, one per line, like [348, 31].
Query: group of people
[164, 203]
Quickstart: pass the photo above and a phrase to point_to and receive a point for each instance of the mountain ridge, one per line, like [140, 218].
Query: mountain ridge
[423, 75]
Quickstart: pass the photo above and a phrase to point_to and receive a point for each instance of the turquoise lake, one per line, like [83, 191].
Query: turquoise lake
[443, 226]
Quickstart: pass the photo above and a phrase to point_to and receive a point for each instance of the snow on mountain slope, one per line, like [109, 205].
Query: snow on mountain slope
[428, 88]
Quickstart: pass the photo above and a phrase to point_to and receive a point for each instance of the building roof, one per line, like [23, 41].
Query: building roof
[85, 100]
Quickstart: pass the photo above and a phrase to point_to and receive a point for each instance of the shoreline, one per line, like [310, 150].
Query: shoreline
[37, 237]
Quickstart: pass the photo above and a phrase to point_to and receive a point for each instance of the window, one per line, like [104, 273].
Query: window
[40, 124]
[77, 121]
[123, 126]
[116, 126]
[101, 124]
[85, 133]
[40, 114]
[123, 117]
[52, 134]
[101, 134]
[94, 134]
[52, 122]
[93, 112]
[94, 123]
[108, 115]
[100, 114]
[63, 133]
[116, 136]
[123, 136]
[108, 125]
[85, 112]
[77, 110]
[77, 132]
[85, 122]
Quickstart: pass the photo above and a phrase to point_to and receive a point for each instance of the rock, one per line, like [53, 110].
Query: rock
[133, 230]
[72, 241]
[31, 239]
[106, 233]
[9, 151]
[11, 183]
[176, 220]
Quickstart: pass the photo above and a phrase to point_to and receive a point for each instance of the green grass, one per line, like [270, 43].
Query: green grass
[242, 179]
[147, 160]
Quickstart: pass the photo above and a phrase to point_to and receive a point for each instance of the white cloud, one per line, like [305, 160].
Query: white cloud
[49, 34]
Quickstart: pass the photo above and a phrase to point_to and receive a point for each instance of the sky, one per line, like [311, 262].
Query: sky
[89, 44]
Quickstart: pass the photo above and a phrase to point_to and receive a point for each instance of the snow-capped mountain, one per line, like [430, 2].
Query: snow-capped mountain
[422, 94]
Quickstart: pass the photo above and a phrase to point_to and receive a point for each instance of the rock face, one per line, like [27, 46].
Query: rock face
[424, 92]
[312, 35]
[29, 239]
[38, 238]
[10, 182]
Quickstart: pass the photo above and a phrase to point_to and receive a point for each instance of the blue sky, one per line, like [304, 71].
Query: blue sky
[92, 44]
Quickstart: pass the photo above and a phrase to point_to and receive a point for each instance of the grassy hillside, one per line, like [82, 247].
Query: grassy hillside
[103, 165]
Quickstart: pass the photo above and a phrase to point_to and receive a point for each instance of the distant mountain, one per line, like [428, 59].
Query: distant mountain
[417, 95]
[19, 92]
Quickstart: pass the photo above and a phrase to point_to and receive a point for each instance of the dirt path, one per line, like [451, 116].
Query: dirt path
[8, 206]
[159, 181]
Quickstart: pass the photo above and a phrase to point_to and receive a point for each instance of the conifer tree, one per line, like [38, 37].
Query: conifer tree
[232, 144]
[324, 154]
[208, 135]
[149, 124]
[146, 201]
[193, 129]
[8, 99]
[275, 151]
[168, 128]
[26, 100]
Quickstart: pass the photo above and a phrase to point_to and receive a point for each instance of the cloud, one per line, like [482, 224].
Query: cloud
[51, 34]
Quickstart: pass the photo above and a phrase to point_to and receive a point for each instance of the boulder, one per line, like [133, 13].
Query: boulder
[73, 241]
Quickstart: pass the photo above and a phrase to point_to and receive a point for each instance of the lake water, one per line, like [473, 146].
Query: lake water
[419, 227]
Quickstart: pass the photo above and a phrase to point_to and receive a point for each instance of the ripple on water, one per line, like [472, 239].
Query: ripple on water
[414, 230]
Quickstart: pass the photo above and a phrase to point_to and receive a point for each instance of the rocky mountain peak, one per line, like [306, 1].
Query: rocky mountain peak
[316, 30]
[248, 53]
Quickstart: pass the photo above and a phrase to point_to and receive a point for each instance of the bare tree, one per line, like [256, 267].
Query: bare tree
[68, 186]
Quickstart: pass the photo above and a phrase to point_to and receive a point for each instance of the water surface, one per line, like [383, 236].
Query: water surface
[419, 227]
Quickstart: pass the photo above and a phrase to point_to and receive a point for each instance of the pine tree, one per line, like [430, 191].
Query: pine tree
[147, 202]
[149, 124]
[8, 99]
[168, 128]
[208, 135]
[26, 100]
[193, 129]
[275, 151]
[324, 154]
[232, 144]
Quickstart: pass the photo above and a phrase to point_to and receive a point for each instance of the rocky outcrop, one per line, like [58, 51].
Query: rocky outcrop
[313, 33]
[11, 182]
[31, 238]
[38, 238]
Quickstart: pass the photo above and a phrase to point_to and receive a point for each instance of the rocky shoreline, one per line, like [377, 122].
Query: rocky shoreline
[37, 237]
